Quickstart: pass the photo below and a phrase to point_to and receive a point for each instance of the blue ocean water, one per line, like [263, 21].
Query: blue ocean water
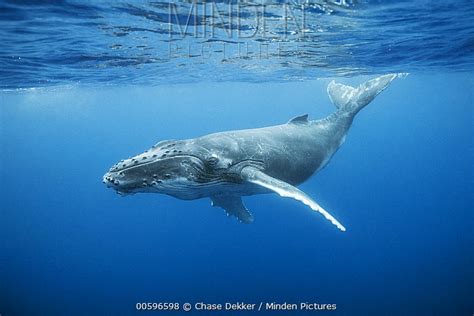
[85, 84]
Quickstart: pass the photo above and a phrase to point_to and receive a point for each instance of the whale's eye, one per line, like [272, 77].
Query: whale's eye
[212, 160]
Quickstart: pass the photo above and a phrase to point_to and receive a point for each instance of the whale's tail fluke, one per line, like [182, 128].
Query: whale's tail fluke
[352, 100]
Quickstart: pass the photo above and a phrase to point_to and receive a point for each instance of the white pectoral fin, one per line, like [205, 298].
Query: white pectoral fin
[284, 189]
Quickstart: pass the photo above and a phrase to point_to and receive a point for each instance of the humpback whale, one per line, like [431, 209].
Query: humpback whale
[227, 165]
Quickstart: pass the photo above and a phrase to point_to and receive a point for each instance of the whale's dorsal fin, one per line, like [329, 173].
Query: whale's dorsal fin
[233, 205]
[302, 119]
[253, 175]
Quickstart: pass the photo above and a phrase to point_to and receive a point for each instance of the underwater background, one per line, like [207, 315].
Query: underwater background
[85, 84]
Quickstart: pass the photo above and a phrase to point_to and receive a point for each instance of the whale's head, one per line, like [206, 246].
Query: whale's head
[170, 167]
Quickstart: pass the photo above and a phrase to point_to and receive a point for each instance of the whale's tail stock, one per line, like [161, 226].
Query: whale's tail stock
[352, 100]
